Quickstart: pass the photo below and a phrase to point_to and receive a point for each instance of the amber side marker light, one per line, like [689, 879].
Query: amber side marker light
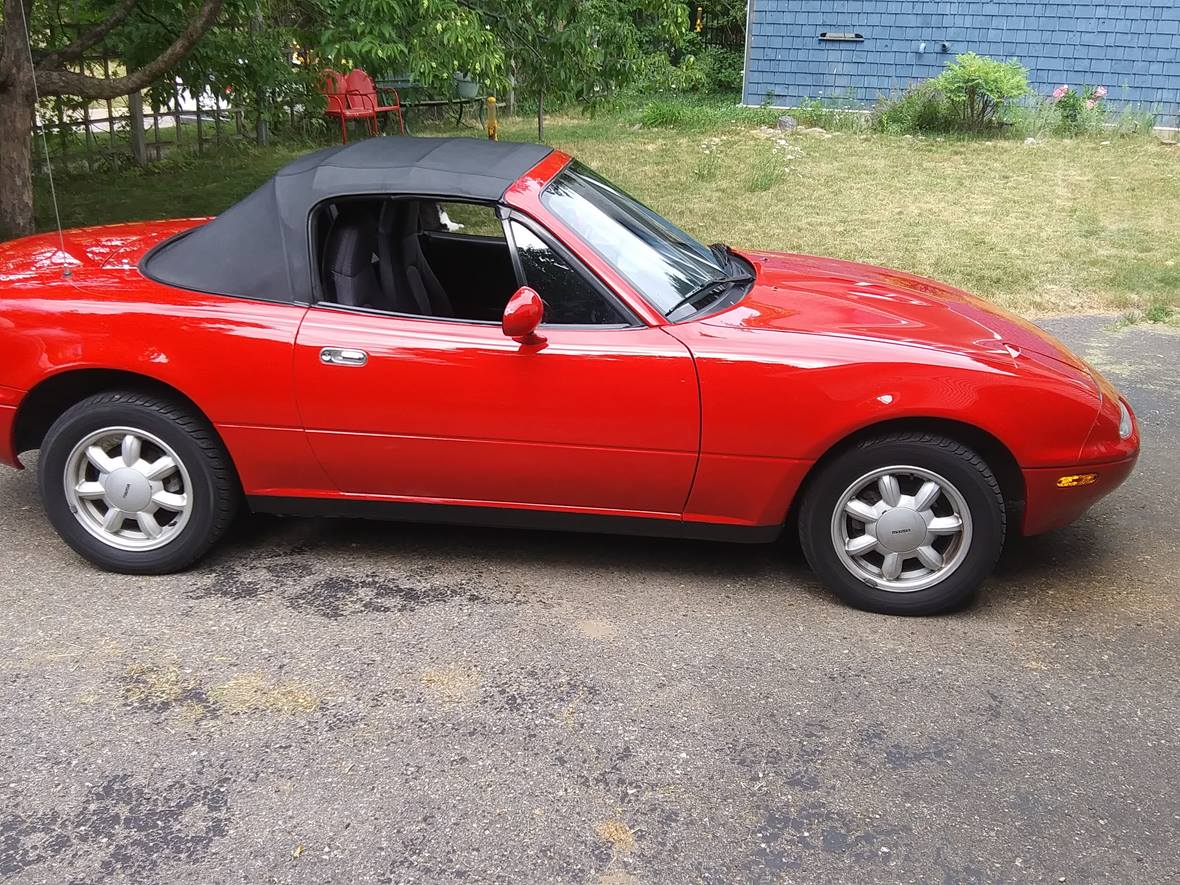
[1077, 479]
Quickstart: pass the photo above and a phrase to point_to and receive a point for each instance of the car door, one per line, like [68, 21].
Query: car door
[600, 419]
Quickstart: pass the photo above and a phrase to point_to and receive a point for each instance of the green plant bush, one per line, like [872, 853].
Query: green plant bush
[655, 75]
[720, 69]
[830, 113]
[1079, 111]
[977, 87]
[921, 108]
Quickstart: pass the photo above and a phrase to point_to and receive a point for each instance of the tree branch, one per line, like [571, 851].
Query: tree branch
[505, 23]
[78, 47]
[59, 82]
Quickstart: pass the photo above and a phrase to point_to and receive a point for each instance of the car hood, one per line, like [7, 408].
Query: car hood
[801, 293]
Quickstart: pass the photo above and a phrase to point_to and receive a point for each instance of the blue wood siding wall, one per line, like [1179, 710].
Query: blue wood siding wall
[1131, 48]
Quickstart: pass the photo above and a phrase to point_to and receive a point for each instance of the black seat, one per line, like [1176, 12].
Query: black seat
[349, 271]
[430, 299]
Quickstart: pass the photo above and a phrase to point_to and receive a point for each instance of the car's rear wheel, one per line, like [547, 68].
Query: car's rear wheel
[905, 523]
[136, 483]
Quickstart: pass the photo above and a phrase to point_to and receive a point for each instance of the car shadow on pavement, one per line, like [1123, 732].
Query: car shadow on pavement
[506, 547]
[1063, 564]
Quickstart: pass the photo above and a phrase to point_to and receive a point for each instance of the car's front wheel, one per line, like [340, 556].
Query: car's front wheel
[904, 523]
[136, 483]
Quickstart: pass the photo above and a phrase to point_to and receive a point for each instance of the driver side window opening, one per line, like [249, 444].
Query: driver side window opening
[444, 259]
[570, 299]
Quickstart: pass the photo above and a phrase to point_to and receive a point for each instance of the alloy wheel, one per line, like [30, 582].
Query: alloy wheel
[128, 488]
[901, 528]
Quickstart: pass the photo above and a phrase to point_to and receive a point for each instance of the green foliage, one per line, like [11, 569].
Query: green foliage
[696, 114]
[720, 69]
[705, 70]
[578, 50]
[666, 114]
[1157, 310]
[977, 87]
[655, 74]
[830, 113]
[920, 109]
[430, 40]
[765, 171]
[1072, 112]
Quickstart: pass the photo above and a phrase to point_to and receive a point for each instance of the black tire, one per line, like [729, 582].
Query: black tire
[214, 485]
[957, 463]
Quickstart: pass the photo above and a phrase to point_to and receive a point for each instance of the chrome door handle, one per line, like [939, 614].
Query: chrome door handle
[343, 356]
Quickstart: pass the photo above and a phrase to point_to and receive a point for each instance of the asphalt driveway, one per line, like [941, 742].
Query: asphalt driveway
[345, 701]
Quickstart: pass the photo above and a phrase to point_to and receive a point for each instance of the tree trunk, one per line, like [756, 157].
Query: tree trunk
[541, 114]
[16, 169]
[138, 135]
[512, 89]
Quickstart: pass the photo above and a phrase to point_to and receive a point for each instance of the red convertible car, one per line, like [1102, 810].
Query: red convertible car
[463, 331]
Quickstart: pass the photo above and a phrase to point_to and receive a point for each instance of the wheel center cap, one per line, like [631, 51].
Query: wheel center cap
[901, 530]
[127, 489]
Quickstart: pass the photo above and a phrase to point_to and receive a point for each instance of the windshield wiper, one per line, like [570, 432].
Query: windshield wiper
[710, 286]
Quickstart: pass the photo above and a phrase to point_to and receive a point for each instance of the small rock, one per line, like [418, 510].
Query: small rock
[1104, 142]
[814, 130]
[787, 123]
[1030, 140]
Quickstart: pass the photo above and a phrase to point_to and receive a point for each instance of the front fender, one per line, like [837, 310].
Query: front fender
[773, 404]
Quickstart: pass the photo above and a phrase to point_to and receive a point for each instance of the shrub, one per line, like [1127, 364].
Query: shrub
[655, 74]
[1079, 110]
[921, 108]
[665, 114]
[977, 87]
[830, 113]
[720, 69]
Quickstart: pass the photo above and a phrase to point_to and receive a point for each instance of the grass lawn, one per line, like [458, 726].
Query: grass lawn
[1051, 227]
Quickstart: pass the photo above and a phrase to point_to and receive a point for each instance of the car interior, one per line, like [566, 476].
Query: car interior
[449, 260]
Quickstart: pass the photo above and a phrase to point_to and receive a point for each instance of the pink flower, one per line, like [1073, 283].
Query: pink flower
[1090, 102]
[1100, 92]
[1060, 91]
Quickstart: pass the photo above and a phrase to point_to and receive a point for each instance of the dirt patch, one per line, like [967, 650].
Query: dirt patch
[592, 629]
[453, 683]
[159, 688]
[169, 689]
[616, 834]
[254, 693]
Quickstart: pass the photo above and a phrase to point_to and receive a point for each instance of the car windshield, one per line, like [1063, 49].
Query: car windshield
[662, 262]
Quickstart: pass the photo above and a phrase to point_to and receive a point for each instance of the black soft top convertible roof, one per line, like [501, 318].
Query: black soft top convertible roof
[258, 248]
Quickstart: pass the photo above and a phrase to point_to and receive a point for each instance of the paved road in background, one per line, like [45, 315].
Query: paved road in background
[370, 702]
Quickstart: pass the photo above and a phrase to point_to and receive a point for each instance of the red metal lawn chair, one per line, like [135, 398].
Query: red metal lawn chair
[347, 105]
[362, 93]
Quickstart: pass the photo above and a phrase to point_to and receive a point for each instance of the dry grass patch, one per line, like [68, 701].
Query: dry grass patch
[452, 683]
[254, 693]
[167, 689]
[617, 834]
[157, 687]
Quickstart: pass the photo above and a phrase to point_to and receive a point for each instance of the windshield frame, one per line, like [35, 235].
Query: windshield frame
[666, 263]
